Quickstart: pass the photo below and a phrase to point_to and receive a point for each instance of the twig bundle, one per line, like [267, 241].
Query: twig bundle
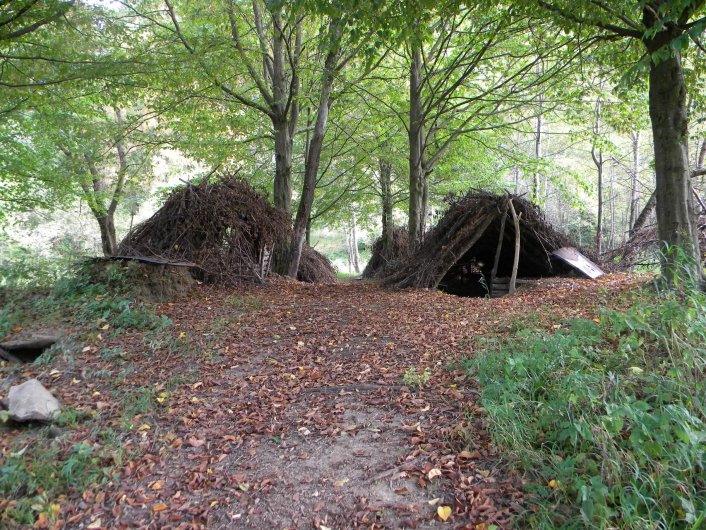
[227, 228]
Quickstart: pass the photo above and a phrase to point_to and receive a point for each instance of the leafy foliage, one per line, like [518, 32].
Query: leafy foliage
[610, 414]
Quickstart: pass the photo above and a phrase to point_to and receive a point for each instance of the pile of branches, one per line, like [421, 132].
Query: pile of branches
[642, 248]
[381, 262]
[472, 222]
[314, 267]
[224, 226]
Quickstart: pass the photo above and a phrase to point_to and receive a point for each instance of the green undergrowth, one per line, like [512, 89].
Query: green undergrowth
[33, 478]
[606, 417]
[98, 306]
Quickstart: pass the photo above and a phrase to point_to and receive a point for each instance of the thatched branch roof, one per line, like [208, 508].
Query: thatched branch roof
[468, 235]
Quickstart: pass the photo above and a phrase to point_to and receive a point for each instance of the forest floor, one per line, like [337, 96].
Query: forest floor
[292, 406]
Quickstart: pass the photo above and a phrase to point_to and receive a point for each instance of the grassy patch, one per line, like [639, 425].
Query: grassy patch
[246, 303]
[609, 416]
[32, 479]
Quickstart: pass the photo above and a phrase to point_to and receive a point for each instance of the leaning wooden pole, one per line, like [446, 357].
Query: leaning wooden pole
[498, 250]
[516, 261]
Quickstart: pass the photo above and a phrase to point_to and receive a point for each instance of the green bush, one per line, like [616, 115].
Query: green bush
[23, 267]
[611, 416]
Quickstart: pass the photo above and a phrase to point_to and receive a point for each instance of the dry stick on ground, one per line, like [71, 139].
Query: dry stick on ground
[516, 262]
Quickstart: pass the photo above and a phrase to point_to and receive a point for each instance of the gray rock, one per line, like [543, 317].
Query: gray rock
[30, 401]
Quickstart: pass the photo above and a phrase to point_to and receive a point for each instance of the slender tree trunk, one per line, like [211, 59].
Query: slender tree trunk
[425, 204]
[308, 231]
[311, 167]
[516, 259]
[644, 214]
[597, 156]
[385, 171]
[536, 184]
[416, 150]
[702, 155]
[349, 247]
[354, 245]
[634, 179]
[676, 214]
[611, 204]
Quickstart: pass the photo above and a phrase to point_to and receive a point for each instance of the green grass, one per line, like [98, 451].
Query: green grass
[608, 417]
[33, 478]
[244, 303]
[95, 306]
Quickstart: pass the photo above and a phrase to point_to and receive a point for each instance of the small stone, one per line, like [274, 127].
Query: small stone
[30, 401]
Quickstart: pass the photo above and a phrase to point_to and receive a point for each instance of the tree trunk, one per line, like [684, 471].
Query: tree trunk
[537, 155]
[349, 248]
[536, 187]
[702, 155]
[644, 214]
[516, 260]
[283, 165]
[634, 179]
[425, 204]
[611, 204]
[416, 150]
[354, 246]
[109, 242]
[597, 156]
[385, 169]
[598, 160]
[311, 166]
[676, 215]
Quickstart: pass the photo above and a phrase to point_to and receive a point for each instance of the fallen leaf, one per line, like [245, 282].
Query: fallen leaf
[194, 442]
[159, 507]
[433, 473]
[444, 512]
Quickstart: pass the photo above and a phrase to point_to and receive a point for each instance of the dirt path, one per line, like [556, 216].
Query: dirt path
[286, 407]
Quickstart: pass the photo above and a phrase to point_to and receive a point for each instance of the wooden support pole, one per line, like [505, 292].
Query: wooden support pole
[496, 262]
[516, 262]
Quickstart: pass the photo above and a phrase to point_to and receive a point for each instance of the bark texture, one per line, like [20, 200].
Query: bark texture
[416, 151]
[676, 216]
